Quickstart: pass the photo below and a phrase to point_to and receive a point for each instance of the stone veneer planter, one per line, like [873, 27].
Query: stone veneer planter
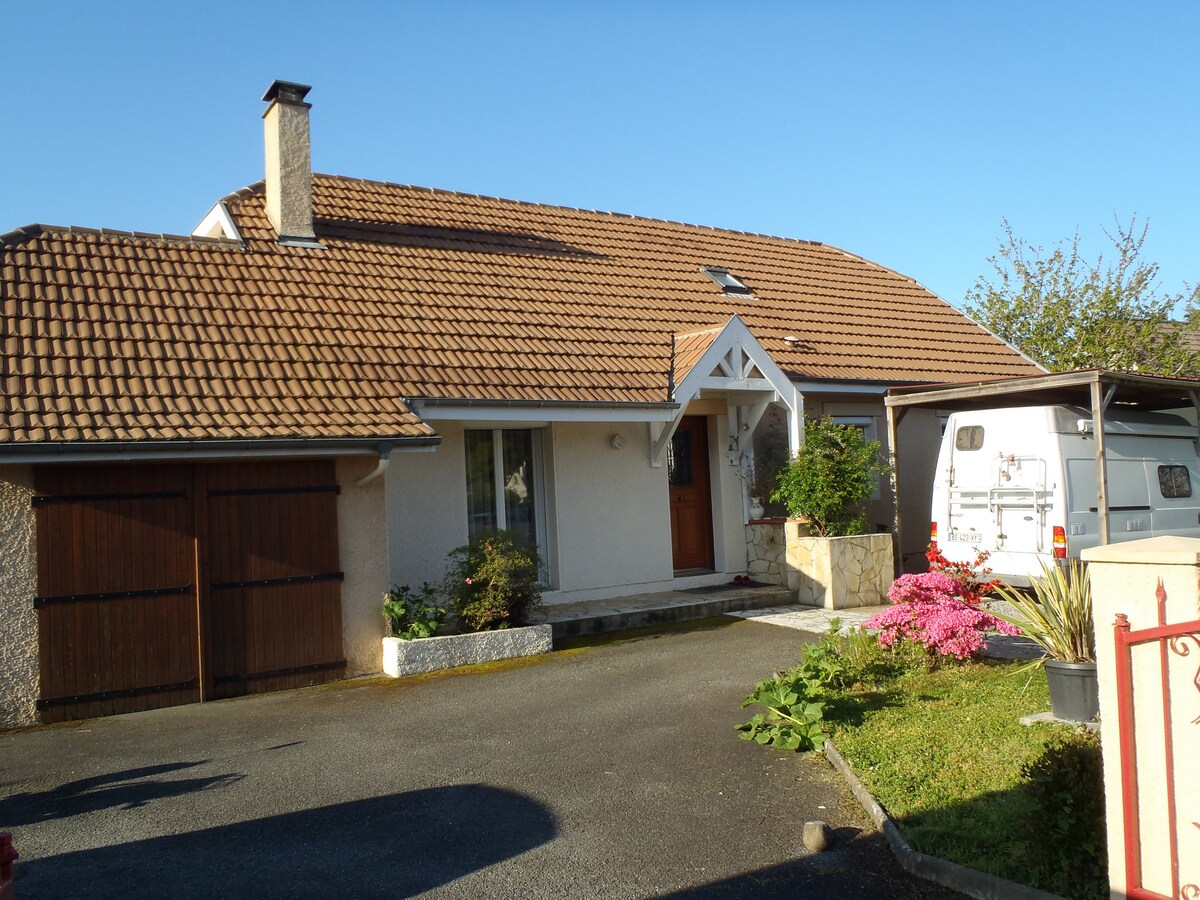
[767, 543]
[450, 651]
[841, 572]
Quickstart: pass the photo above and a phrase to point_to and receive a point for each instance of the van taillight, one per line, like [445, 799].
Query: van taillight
[1060, 542]
[933, 532]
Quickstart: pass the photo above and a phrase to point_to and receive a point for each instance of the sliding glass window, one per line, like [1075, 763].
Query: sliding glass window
[504, 464]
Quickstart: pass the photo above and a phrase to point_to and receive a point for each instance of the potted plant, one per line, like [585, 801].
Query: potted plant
[1056, 614]
[413, 614]
[494, 582]
[827, 483]
[758, 488]
[493, 585]
[830, 478]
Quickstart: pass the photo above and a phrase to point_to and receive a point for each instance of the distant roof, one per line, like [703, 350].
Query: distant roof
[425, 293]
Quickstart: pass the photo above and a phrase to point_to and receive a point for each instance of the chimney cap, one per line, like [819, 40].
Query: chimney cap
[286, 92]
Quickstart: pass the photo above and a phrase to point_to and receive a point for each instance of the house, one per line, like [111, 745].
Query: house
[217, 450]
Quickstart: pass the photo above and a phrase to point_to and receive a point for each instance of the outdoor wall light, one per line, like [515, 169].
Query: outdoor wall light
[618, 441]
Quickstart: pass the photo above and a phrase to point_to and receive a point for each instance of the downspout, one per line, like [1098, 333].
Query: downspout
[385, 454]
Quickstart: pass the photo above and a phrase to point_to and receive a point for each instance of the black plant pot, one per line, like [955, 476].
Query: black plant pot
[1074, 695]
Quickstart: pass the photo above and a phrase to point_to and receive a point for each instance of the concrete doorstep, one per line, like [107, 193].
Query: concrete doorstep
[640, 610]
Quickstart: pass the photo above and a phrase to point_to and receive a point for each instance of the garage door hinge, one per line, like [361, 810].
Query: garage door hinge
[39, 602]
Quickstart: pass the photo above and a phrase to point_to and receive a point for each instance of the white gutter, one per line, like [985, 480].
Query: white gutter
[137, 451]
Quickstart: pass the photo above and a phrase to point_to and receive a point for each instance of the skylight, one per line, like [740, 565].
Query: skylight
[729, 284]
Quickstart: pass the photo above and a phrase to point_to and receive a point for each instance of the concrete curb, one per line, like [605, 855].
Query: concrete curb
[971, 882]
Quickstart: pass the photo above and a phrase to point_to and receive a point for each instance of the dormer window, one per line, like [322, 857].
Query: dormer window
[729, 284]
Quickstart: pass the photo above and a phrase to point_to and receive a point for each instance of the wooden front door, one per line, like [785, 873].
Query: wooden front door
[691, 498]
[167, 584]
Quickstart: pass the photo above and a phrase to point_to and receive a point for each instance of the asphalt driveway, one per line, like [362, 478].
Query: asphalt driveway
[611, 771]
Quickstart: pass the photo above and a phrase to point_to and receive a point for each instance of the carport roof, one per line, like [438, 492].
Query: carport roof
[1128, 390]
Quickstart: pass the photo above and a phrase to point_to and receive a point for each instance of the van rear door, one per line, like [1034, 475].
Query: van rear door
[1018, 504]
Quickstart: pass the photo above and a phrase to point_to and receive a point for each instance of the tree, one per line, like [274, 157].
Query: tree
[1067, 313]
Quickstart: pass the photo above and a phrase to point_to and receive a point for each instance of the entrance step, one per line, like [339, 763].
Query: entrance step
[638, 610]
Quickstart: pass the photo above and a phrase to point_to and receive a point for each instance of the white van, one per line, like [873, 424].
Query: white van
[1021, 484]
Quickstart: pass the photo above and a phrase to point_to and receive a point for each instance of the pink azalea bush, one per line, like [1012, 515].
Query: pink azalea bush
[934, 610]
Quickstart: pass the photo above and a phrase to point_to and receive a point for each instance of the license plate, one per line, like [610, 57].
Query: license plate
[966, 537]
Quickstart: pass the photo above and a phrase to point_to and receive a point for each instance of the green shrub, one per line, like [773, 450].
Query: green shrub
[830, 478]
[792, 720]
[493, 582]
[413, 614]
[794, 716]
[1067, 840]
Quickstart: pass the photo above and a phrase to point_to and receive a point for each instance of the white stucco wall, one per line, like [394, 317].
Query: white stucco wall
[18, 586]
[729, 507]
[607, 529]
[1125, 578]
[426, 509]
[363, 548]
[612, 508]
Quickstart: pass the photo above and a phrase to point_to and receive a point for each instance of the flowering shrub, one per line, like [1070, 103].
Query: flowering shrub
[936, 611]
[493, 582]
[973, 576]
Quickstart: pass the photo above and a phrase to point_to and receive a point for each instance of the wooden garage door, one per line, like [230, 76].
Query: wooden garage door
[167, 584]
[274, 586]
[116, 590]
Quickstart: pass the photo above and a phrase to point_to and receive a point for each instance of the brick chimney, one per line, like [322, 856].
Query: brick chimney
[289, 162]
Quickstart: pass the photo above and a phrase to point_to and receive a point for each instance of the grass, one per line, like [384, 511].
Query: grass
[943, 751]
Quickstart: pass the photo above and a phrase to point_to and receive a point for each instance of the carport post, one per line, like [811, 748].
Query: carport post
[1098, 405]
[893, 462]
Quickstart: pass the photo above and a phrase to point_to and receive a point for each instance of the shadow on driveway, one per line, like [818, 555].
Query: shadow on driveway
[127, 789]
[393, 846]
[849, 869]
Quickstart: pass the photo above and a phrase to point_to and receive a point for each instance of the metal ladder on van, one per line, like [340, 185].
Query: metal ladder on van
[1015, 498]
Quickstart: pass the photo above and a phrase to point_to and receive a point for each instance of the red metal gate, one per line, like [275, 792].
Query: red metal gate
[1173, 641]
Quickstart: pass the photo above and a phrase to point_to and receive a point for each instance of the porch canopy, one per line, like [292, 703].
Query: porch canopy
[727, 362]
[1096, 389]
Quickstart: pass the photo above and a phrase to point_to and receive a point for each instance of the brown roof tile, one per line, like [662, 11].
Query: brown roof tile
[114, 336]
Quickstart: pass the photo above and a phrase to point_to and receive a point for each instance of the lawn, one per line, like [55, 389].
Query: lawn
[943, 752]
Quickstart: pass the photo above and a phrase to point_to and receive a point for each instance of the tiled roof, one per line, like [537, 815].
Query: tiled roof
[423, 293]
[690, 346]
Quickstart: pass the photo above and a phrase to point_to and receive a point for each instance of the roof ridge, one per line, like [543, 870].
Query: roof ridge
[582, 209]
[890, 270]
[255, 187]
[28, 231]
[705, 330]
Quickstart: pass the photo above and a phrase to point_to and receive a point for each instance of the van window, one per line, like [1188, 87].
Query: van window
[969, 437]
[1174, 481]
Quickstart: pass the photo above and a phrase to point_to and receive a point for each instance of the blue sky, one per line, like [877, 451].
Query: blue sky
[903, 132]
